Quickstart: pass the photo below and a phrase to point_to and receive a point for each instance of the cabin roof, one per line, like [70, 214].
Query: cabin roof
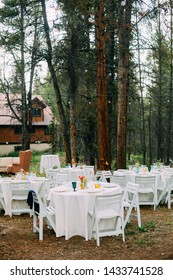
[7, 117]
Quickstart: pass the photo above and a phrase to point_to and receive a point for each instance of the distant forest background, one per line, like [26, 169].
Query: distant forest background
[105, 67]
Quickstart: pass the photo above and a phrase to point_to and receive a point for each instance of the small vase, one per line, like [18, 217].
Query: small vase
[82, 185]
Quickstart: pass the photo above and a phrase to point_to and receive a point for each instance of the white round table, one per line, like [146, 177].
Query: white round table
[71, 209]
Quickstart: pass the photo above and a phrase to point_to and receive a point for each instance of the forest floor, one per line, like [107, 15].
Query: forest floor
[153, 241]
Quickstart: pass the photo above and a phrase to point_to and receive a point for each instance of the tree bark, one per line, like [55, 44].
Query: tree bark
[73, 92]
[23, 85]
[123, 82]
[103, 144]
[55, 84]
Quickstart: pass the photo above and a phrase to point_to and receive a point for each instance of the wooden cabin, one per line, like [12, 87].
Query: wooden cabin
[11, 129]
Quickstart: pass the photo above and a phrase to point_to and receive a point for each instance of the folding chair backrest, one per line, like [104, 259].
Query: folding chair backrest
[106, 176]
[45, 188]
[145, 182]
[169, 184]
[61, 178]
[131, 202]
[167, 176]
[131, 193]
[120, 180]
[50, 183]
[20, 189]
[51, 174]
[112, 201]
[19, 193]
[98, 175]
[44, 210]
[2, 198]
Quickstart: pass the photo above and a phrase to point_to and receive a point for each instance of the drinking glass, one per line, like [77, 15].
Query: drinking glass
[74, 186]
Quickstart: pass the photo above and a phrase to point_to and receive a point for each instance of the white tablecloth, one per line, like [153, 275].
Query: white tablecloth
[71, 209]
[49, 161]
[74, 173]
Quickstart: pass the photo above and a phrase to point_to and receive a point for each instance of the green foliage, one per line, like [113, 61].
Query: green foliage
[147, 227]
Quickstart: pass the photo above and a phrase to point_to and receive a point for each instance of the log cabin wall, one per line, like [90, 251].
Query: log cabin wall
[8, 135]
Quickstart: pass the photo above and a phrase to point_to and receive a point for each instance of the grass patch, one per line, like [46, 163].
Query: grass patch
[142, 242]
[147, 227]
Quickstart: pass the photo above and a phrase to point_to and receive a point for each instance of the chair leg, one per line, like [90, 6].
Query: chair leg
[40, 227]
[92, 227]
[121, 226]
[169, 199]
[127, 218]
[34, 223]
[97, 233]
[123, 234]
[138, 216]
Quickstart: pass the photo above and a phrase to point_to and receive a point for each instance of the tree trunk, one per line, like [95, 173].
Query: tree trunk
[123, 82]
[73, 91]
[103, 146]
[23, 87]
[150, 138]
[111, 60]
[170, 90]
[29, 96]
[160, 146]
[55, 84]
[142, 108]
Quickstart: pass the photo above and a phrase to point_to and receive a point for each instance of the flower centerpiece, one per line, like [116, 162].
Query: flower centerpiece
[82, 182]
[137, 166]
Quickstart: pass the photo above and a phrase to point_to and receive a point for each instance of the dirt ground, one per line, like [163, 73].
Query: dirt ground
[153, 241]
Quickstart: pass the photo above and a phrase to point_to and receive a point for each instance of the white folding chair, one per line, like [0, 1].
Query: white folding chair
[166, 176]
[108, 207]
[46, 186]
[2, 202]
[19, 194]
[120, 180]
[147, 190]
[51, 173]
[49, 184]
[89, 170]
[98, 175]
[106, 176]
[42, 212]
[131, 202]
[61, 178]
[166, 192]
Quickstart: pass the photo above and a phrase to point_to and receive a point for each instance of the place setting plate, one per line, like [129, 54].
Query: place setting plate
[109, 185]
[95, 190]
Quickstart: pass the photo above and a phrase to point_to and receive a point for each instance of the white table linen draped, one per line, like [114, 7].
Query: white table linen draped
[71, 209]
[74, 173]
[49, 161]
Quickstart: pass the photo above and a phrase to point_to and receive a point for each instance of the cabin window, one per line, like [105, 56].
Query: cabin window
[36, 112]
